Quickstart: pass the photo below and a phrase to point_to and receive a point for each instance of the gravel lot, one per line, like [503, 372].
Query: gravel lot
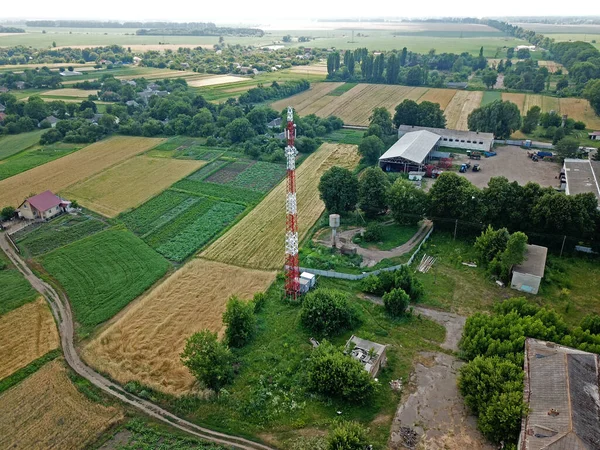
[513, 163]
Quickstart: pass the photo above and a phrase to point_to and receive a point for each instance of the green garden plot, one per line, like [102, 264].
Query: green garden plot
[13, 144]
[260, 177]
[103, 273]
[219, 191]
[34, 157]
[61, 231]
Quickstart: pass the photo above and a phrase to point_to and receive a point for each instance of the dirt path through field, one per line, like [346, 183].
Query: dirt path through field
[372, 256]
[62, 312]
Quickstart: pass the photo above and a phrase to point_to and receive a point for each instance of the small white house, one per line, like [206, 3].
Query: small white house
[528, 275]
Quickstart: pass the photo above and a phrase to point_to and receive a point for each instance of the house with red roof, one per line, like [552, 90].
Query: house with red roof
[42, 206]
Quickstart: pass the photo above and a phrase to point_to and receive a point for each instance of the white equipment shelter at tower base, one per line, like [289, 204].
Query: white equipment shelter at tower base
[307, 282]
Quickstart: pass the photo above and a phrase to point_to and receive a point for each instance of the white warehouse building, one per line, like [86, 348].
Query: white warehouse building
[464, 140]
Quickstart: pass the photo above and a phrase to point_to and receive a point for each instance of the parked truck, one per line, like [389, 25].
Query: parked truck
[473, 154]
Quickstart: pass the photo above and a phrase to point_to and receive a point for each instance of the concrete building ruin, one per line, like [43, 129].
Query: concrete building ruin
[370, 354]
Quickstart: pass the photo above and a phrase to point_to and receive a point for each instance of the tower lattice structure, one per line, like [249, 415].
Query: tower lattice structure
[292, 269]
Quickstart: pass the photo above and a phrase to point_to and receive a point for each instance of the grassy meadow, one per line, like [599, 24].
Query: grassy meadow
[15, 143]
[16, 290]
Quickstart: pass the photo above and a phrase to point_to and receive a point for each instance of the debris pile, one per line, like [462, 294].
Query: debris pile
[426, 263]
[409, 437]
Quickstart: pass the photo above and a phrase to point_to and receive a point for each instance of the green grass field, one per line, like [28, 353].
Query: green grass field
[345, 136]
[15, 291]
[13, 144]
[35, 157]
[103, 273]
[490, 96]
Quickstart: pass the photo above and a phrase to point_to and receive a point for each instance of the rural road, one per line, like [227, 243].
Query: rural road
[62, 312]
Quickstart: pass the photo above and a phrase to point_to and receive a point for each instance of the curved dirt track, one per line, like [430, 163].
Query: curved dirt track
[62, 312]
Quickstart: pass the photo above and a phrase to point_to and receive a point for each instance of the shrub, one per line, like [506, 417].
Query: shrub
[396, 301]
[259, 300]
[209, 360]
[334, 374]
[373, 233]
[386, 281]
[240, 321]
[326, 312]
[591, 323]
[347, 436]
[579, 125]
[7, 212]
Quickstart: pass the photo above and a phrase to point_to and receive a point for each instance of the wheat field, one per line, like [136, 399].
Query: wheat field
[130, 183]
[47, 412]
[304, 102]
[458, 110]
[26, 333]
[257, 241]
[145, 342]
[64, 172]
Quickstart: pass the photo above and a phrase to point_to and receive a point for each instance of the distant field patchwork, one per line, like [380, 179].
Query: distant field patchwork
[129, 184]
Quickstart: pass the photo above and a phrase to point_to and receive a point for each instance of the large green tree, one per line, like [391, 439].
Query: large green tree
[382, 117]
[592, 93]
[499, 117]
[370, 149]
[373, 188]
[407, 202]
[567, 147]
[454, 197]
[531, 119]
[489, 78]
[210, 361]
[326, 312]
[426, 114]
[338, 189]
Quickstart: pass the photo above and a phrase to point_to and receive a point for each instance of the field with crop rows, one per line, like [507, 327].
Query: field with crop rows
[78, 94]
[13, 144]
[129, 184]
[46, 411]
[458, 110]
[575, 108]
[26, 334]
[15, 290]
[356, 105]
[219, 191]
[103, 273]
[46, 236]
[144, 344]
[257, 240]
[60, 174]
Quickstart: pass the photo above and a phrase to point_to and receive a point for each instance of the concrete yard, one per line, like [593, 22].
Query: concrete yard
[512, 162]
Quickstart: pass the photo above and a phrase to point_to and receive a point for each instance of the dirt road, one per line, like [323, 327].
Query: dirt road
[62, 312]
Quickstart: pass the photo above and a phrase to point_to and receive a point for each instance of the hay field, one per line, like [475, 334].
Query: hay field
[355, 106]
[216, 80]
[553, 66]
[257, 241]
[68, 92]
[312, 69]
[441, 96]
[458, 110]
[575, 108]
[26, 333]
[144, 343]
[46, 412]
[303, 102]
[64, 172]
[580, 109]
[130, 183]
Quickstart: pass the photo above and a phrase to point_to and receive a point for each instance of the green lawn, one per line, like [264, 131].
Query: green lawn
[35, 157]
[268, 393]
[15, 143]
[394, 235]
[345, 136]
[15, 290]
[342, 89]
[103, 273]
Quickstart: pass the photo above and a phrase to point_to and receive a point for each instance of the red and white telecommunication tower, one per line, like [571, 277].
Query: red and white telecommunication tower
[292, 269]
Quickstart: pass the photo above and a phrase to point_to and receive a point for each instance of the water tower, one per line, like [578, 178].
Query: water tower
[334, 224]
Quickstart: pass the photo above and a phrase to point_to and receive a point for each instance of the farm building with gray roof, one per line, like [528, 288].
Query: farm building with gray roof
[411, 152]
[465, 140]
[562, 392]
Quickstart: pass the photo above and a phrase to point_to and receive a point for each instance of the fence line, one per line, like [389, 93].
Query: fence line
[534, 144]
[355, 277]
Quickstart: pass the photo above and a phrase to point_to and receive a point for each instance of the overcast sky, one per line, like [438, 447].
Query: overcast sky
[266, 11]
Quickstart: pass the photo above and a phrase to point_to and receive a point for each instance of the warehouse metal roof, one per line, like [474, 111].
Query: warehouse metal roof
[413, 146]
[583, 175]
[561, 388]
[458, 135]
[535, 261]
